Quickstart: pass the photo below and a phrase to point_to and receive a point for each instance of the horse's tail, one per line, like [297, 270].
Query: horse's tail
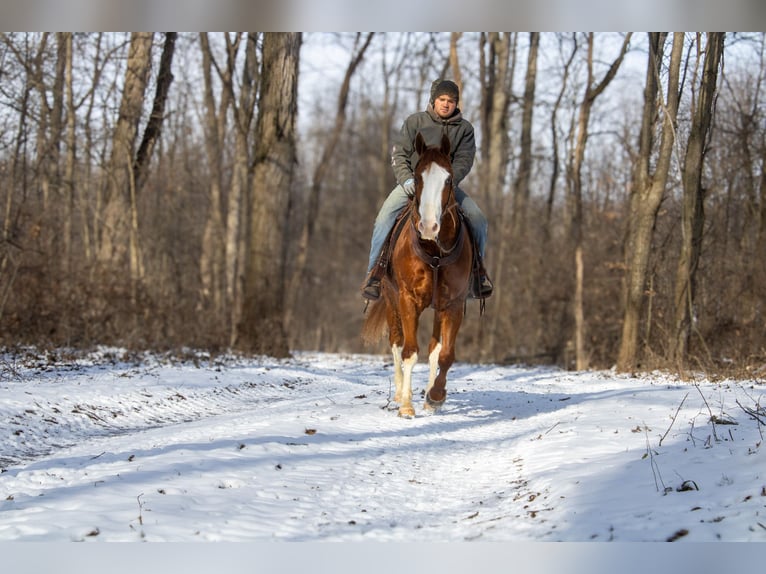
[375, 324]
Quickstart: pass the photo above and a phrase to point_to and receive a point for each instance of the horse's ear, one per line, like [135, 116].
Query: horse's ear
[420, 143]
[445, 147]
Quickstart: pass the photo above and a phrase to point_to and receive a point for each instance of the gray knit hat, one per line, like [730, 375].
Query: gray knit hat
[439, 87]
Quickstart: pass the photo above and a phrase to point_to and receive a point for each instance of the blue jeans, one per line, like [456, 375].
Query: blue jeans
[397, 200]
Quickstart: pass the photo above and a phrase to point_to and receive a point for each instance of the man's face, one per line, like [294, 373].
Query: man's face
[444, 106]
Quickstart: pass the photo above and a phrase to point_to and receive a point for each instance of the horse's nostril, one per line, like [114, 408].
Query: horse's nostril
[428, 229]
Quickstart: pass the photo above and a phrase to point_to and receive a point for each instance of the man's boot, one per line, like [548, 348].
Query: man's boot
[371, 287]
[371, 290]
[481, 285]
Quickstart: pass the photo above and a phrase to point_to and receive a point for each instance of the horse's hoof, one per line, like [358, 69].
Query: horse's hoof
[407, 412]
[432, 405]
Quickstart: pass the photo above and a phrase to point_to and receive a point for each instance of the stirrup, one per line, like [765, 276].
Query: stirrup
[371, 290]
[481, 286]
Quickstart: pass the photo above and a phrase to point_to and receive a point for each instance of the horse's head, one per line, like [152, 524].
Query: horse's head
[433, 185]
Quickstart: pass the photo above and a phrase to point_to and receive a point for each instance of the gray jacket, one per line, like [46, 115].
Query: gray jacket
[404, 158]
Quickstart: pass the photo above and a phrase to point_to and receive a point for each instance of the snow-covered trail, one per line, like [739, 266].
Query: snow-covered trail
[310, 449]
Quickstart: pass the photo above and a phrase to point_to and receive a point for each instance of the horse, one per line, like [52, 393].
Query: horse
[431, 261]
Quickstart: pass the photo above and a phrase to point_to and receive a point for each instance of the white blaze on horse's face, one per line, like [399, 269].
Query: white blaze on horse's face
[434, 179]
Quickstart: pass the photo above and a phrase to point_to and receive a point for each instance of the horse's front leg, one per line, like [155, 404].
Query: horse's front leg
[409, 314]
[395, 339]
[443, 356]
[433, 367]
[396, 351]
[434, 349]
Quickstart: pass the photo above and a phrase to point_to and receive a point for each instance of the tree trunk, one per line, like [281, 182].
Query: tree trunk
[555, 167]
[524, 172]
[87, 199]
[47, 130]
[518, 284]
[71, 156]
[454, 60]
[761, 237]
[497, 87]
[648, 190]
[118, 247]
[389, 107]
[154, 125]
[213, 250]
[262, 326]
[57, 116]
[235, 214]
[9, 246]
[592, 91]
[693, 217]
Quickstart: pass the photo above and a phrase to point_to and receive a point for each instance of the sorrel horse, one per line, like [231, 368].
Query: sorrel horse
[430, 265]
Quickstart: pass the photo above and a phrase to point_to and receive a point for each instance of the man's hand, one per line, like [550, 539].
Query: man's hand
[409, 187]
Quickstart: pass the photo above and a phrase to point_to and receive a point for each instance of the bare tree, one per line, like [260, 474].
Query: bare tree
[16, 182]
[454, 59]
[216, 114]
[555, 164]
[262, 326]
[391, 75]
[49, 116]
[154, 125]
[648, 189]
[694, 195]
[86, 199]
[235, 248]
[521, 189]
[497, 64]
[323, 167]
[592, 91]
[71, 147]
[119, 232]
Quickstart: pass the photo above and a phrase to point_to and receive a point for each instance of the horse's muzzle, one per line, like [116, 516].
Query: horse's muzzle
[428, 230]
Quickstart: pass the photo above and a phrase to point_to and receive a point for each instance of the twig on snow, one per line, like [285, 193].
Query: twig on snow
[140, 509]
[672, 422]
[553, 427]
[755, 414]
[709, 410]
[388, 400]
[655, 468]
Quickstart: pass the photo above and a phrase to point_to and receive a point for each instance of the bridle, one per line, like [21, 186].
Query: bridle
[446, 256]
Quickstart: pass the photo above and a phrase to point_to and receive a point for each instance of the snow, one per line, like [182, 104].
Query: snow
[106, 447]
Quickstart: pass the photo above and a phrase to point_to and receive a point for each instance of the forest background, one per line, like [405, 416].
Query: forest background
[217, 191]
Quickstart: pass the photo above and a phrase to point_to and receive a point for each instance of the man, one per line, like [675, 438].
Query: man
[442, 115]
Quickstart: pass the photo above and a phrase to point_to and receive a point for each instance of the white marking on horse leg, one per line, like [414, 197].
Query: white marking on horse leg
[433, 363]
[406, 409]
[396, 351]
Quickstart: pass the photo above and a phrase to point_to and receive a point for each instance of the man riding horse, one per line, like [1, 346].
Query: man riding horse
[442, 116]
[431, 263]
